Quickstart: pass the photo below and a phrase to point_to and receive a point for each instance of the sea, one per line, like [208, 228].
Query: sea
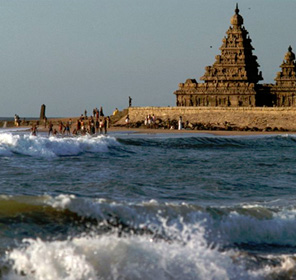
[147, 206]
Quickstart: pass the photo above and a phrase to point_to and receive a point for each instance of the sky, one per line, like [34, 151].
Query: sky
[73, 55]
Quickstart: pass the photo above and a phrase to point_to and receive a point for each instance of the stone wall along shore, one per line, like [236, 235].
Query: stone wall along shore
[283, 118]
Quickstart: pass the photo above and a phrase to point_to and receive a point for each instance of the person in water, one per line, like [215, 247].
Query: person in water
[50, 129]
[101, 126]
[34, 130]
[67, 129]
[105, 125]
[61, 128]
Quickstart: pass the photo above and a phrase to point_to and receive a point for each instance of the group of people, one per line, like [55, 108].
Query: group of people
[84, 125]
[92, 125]
[96, 113]
[150, 121]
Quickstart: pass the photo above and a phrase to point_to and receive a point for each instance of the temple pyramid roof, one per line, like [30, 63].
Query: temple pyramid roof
[236, 63]
[287, 76]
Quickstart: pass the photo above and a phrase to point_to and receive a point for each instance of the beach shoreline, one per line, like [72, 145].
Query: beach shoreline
[187, 131]
[43, 129]
[115, 128]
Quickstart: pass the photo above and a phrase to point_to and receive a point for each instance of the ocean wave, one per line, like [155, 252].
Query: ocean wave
[214, 142]
[12, 144]
[27, 145]
[223, 226]
[149, 239]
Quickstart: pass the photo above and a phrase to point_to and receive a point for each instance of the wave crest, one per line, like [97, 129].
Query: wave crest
[40, 146]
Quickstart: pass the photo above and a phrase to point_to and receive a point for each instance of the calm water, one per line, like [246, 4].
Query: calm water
[131, 206]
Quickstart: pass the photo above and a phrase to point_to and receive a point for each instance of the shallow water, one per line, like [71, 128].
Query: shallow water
[130, 206]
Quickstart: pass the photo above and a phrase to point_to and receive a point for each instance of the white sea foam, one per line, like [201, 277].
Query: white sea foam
[133, 257]
[52, 146]
[12, 129]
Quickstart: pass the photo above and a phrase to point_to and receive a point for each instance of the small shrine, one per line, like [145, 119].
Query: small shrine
[232, 81]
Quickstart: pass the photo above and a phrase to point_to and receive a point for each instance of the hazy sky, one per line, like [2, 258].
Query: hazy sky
[79, 54]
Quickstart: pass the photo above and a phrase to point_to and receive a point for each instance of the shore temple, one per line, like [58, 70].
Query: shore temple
[233, 79]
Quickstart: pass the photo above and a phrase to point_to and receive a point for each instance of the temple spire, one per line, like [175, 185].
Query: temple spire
[236, 9]
[236, 20]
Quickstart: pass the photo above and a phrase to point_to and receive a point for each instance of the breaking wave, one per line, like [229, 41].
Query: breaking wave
[28, 145]
[223, 225]
[150, 240]
[25, 144]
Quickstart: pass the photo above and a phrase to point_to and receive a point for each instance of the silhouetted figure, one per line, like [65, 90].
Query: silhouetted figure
[129, 101]
[101, 112]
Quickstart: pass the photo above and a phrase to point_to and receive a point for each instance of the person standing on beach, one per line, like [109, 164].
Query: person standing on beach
[101, 112]
[115, 112]
[127, 119]
[180, 123]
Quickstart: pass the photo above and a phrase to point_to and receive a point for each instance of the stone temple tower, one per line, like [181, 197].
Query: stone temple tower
[232, 79]
[284, 90]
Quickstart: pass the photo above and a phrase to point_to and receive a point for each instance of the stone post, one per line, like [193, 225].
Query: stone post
[42, 112]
